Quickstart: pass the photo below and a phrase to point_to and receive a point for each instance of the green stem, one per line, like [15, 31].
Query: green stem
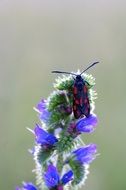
[60, 162]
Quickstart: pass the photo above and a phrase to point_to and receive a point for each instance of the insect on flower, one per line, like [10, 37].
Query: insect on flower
[81, 105]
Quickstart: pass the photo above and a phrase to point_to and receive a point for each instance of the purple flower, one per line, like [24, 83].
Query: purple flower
[86, 125]
[67, 177]
[83, 125]
[85, 155]
[41, 108]
[43, 137]
[52, 178]
[27, 186]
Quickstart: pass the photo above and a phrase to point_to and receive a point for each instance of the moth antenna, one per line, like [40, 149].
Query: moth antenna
[64, 72]
[89, 67]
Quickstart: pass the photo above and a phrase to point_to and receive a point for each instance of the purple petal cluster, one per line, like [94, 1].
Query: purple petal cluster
[52, 178]
[43, 137]
[41, 108]
[87, 124]
[83, 125]
[27, 186]
[85, 155]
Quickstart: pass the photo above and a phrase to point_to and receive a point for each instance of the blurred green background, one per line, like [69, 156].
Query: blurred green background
[38, 36]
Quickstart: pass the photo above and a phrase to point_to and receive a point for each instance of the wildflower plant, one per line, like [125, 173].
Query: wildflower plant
[61, 158]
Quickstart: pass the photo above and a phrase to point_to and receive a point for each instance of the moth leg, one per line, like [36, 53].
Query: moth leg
[87, 83]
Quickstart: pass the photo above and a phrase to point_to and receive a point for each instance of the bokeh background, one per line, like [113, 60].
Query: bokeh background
[38, 36]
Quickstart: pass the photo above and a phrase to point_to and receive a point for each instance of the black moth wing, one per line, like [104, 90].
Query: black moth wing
[81, 105]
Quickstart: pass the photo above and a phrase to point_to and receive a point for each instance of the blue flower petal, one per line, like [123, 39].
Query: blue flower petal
[51, 176]
[85, 155]
[40, 134]
[43, 137]
[87, 125]
[27, 186]
[51, 139]
[41, 108]
[67, 177]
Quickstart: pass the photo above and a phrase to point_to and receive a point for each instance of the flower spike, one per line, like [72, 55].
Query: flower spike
[61, 158]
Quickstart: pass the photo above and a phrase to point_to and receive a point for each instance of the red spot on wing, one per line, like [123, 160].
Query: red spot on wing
[77, 102]
[75, 90]
[85, 89]
[85, 100]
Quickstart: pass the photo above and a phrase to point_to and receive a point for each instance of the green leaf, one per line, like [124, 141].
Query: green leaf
[80, 172]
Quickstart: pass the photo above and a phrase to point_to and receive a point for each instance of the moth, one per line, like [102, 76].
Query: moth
[81, 104]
